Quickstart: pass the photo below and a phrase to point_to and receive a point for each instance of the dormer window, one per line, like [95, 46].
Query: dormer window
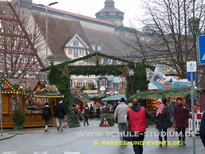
[93, 47]
[109, 61]
[118, 62]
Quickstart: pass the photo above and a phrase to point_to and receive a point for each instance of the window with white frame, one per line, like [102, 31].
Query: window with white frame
[76, 53]
[117, 85]
[109, 61]
[8, 58]
[80, 84]
[24, 60]
[119, 62]
[112, 13]
[75, 43]
[102, 14]
[102, 61]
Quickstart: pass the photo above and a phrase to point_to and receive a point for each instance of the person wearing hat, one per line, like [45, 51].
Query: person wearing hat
[46, 115]
[119, 115]
[181, 116]
[162, 116]
[59, 114]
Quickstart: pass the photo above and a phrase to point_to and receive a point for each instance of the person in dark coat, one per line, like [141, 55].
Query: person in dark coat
[202, 129]
[171, 111]
[59, 115]
[162, 116]
[181, 116]
[86, 114]
[98, 112]
[91, 111]
[46, 115]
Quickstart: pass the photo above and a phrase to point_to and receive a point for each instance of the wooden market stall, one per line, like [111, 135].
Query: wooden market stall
[148, 99]
[30, 96]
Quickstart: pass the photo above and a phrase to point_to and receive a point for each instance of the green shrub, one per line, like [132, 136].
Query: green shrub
[73, 120]
[18, 117]
[109, 119]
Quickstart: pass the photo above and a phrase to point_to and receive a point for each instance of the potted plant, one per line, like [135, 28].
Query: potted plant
[18, 117]
[73, 120]
[106, 120]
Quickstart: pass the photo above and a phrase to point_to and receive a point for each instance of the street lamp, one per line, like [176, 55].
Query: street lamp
[50, 4]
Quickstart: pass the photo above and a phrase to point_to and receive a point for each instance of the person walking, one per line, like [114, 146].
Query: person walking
[59, 114]
[202, 129]
[98, 112]
[181, 116]
[91, 111]
[171, 111]
[137, 117]
[119, 115]
[46, 115]
[86, 114]
[162, 116]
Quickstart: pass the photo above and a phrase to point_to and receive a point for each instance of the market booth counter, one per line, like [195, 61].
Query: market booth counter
[31, 96]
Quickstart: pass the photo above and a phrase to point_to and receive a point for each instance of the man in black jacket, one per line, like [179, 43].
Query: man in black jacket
[59, 114]
[202, 129]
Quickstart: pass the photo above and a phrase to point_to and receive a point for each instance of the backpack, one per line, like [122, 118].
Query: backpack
[45, 112]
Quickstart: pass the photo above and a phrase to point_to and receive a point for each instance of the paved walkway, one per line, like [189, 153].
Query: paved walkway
[68, 142]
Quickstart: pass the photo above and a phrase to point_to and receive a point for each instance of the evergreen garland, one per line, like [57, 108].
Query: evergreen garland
[139, 79]
[62, 83]
[129, 63]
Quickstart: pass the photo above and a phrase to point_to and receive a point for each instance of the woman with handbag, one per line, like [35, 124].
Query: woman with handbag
[163, 122]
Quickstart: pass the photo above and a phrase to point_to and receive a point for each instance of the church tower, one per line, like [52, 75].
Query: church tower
[109, 12]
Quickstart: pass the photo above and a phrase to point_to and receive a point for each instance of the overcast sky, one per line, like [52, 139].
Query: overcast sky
[131, 8]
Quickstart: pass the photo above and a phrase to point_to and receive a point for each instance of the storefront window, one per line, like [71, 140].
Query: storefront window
[14, 101]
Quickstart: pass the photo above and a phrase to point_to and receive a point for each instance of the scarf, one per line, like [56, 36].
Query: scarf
[160, 108]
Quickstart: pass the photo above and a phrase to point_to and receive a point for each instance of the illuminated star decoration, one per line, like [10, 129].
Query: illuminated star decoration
[65, 72]
[131, 73]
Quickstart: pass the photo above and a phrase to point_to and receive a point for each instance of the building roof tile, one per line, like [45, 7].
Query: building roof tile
[76, 15]
[109, 9]
[60, 30]
[111, 43]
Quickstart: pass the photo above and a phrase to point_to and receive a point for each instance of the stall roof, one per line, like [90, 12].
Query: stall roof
[32, 82]
[114, 98]
[11, 88]
[47, 96]
[156, 94]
